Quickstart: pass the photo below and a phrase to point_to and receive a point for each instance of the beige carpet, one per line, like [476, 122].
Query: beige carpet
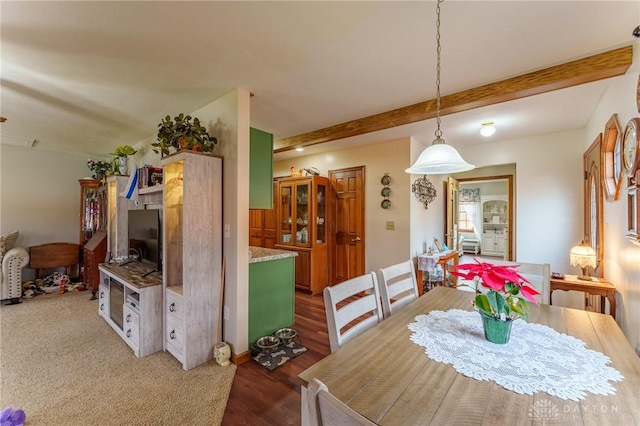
[64, 365]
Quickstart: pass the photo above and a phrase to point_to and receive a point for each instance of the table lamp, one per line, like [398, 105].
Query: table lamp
[583, 255]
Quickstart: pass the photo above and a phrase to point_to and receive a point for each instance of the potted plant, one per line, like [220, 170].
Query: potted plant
[506, 299]
[101, 169]
[182, 132]
[121, 153]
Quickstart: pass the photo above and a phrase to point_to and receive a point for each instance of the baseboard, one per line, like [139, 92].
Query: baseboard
[241, 358]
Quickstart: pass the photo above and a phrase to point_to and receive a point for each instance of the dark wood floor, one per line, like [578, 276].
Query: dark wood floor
[262, 397]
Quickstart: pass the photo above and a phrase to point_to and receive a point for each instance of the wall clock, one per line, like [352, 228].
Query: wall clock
[631, 147]
[638, 95]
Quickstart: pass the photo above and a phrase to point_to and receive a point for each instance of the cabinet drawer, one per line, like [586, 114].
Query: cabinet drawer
[131, 326]
[173, 305]
[174, 334]
[103, 301]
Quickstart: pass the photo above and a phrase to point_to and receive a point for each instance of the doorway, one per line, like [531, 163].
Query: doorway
[493, 221]
[348, 252]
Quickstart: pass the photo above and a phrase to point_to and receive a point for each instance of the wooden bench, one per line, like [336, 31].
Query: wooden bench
[53, 255]
[471, 245]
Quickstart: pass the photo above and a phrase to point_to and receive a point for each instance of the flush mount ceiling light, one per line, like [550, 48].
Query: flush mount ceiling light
[487, 129]
[439, 158]
[299, 149]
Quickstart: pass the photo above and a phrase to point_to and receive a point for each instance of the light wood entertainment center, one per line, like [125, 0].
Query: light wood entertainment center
[176, 310]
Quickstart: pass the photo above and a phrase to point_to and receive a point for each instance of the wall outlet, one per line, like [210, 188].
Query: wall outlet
[391, 225]
[225, 313]
[227, 230]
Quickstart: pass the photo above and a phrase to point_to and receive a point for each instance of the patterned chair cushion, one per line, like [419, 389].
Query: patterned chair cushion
[7, 242]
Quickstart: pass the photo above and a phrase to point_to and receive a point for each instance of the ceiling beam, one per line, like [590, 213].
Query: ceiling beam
[609, 64]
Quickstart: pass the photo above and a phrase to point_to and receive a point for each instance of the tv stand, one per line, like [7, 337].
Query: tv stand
[131, 303]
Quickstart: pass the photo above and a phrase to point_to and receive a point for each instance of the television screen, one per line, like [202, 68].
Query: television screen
[145, 237]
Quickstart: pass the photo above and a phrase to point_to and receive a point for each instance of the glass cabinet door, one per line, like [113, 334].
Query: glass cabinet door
[302, 214]
[286, 217]
[89, 209]
[321, 211]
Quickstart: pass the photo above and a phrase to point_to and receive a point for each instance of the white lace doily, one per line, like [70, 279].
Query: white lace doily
[537, 358]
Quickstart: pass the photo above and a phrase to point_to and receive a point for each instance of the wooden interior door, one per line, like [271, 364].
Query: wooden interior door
[452, 209]
[347, 257]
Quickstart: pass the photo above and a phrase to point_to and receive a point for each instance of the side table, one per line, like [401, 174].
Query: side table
[597, 287]
[425, 261]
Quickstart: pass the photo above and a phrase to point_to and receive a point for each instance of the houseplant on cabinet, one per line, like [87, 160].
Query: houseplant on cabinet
[182, 133]
[121, 153]
[506, 299]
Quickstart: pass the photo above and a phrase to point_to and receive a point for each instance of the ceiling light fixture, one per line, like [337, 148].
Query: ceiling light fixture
[299, 149]
[487, 129]
[439, 158]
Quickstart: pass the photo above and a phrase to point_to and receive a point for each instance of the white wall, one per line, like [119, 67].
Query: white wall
[429, 223]
[621, 257]
[40, 195]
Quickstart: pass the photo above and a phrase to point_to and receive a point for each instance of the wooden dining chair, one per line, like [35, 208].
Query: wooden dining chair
[398, 286]
[327, 410]
[352, 307]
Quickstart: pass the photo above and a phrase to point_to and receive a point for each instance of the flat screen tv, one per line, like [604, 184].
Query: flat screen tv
[145, 237]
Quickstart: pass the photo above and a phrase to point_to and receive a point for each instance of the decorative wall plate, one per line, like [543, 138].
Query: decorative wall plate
[386, 179]
[424, 191]
[386, 191]
[385, 204]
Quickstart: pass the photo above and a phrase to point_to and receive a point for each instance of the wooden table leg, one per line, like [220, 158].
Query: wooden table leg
[420, 278]
[611, 296]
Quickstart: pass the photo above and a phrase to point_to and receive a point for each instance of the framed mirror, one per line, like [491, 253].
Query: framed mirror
[611, 159]
[593, 231]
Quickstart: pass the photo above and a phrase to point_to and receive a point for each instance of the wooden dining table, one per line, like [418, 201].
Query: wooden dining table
[390, 380]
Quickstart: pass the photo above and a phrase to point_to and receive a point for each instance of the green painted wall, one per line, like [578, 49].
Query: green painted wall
[271, 297]
[260, 170]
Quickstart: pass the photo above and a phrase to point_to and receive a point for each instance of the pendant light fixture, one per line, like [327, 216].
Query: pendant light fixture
[439, 158]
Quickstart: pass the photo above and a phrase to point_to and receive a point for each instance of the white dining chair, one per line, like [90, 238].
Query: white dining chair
[398, 286]
[354, 299]
[539, 274]
[327, 410]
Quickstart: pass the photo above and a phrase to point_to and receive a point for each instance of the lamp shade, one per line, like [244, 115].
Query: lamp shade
[439, 159]
[487, 129]
[583, 255]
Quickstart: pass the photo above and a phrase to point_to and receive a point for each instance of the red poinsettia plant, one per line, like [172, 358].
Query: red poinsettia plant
[508, 296]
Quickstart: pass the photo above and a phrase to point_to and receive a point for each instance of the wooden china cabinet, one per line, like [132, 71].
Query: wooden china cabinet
[89, 209]
[93, 237]
[303, 213]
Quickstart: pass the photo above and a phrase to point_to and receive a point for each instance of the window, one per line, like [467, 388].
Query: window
[465, 222]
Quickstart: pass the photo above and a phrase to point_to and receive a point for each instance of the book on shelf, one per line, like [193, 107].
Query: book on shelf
[149, 176]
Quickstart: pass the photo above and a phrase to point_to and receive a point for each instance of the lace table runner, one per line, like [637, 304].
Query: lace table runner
[537, 358]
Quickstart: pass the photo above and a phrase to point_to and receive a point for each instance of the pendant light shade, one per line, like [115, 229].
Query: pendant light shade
[439, 158]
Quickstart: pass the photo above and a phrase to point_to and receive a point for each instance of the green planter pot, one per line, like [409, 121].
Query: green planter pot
[496, 331]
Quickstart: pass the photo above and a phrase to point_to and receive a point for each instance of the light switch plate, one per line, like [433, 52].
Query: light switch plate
[391, 225]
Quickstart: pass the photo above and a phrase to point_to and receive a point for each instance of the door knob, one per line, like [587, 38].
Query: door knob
[353, 240]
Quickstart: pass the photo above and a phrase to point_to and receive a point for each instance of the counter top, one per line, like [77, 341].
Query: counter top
[261, 254]
[135, 273]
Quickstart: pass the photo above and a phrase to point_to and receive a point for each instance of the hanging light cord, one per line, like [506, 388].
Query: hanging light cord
[438, 132]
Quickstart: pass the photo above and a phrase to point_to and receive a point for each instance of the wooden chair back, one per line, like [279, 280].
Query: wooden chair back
[327, 410]
[352, 307]
[398, 286]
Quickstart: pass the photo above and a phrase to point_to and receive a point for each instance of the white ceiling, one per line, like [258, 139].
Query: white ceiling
[89, 76]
